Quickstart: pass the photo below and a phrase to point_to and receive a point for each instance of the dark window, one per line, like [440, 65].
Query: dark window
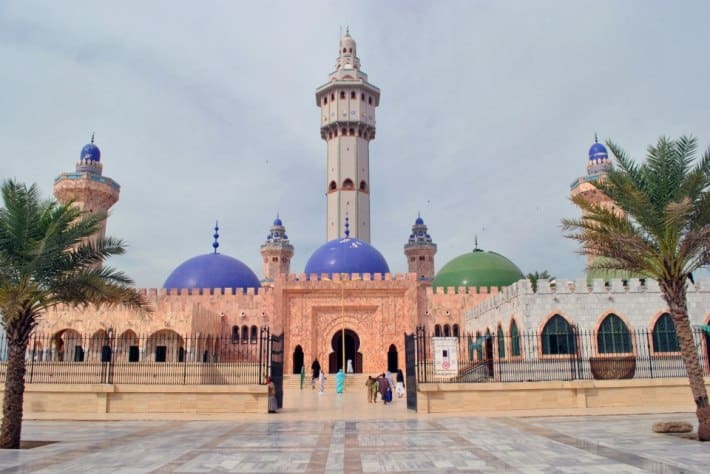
[235, 334]
[664, 336]
[501, 343]
[353, 95]
[342, 94]
[455, 329]
[325, 100]
[348, 184]
[78, 354]
[363, 186]
[613, 336]
[514, 339]
[332, 96]
[557, 337]
[332, 186]
[245, 334]
[447, 330]
[369, 100]
[160, 353]
[437, 330]
[133, 354]
[253, 334]
[106, 354]
[362, 96]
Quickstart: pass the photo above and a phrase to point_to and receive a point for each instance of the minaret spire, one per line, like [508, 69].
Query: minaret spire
[347, 103]
[215, 244]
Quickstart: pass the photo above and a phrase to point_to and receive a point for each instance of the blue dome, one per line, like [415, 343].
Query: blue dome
[419, 221]
[90, 152]
[277, 221]
[598, 152]
[212, 270]
[346, 255]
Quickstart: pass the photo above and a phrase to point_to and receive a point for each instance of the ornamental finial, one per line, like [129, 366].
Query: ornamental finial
[347, 227]
[215, 244]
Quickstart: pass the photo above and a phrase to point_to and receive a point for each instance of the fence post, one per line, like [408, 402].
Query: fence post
[650, 358]
[184, 363]
[32, 360]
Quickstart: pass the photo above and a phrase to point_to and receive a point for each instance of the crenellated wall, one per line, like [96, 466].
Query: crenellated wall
[638, 303]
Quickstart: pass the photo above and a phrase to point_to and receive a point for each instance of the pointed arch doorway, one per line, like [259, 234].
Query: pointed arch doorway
[352, 346]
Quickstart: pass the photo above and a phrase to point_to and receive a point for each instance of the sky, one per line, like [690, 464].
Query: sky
[206, 111]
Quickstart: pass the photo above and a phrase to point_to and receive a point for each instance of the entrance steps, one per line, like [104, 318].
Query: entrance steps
[354, 381]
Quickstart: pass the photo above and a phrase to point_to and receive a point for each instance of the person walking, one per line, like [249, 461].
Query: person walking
[315, 368]
[339, 381]
[400, 383]
[321, 380]
[273, 403]
[383, 386]
[371, 390]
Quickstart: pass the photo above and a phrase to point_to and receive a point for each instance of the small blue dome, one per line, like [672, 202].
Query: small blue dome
[277, 221]
[90, 152]
[348, 256]
[598, 152]
[212, 270]
[419, 221]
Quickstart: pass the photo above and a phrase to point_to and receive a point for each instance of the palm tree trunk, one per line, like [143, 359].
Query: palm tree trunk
[14, 394]
[676, 299]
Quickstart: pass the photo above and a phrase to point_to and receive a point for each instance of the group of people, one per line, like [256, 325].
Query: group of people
[385, 384]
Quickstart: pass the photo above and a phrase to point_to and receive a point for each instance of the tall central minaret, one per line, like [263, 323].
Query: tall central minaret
[347, 104]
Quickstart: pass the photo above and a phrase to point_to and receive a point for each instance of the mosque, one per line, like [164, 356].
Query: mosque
[346, 305]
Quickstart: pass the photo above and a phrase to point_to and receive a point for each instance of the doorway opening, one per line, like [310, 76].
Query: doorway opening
[392, 359]
[297, 359]
[352, 344]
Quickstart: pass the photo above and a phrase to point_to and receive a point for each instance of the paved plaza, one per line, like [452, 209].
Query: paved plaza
[343, 433]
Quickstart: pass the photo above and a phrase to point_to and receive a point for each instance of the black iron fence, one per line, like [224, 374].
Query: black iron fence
[164, 357]
[569, 355]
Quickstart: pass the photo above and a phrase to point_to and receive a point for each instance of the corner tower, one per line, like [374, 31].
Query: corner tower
[598, 165]
[89, 190]
[420, 251]
[347, 105]
[277, 251]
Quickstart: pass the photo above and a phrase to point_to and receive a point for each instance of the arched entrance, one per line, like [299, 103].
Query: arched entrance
[297, 359]
[392, 359]
[352, 344]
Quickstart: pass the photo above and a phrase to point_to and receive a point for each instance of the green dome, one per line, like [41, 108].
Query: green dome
[478, 269]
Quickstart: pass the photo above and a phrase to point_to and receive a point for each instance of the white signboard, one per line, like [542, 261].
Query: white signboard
[446, 356]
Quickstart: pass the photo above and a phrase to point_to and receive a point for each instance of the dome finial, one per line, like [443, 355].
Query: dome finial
[215, 244]
[92, 137]
[347, 30]
[347, 227]
[596, 138]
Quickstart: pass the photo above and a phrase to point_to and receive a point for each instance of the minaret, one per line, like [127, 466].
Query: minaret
[420, 251]
[597, 167]
[89, 190]
[277, 251]
[347, 107]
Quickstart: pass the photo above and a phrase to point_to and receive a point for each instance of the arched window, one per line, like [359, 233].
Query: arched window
[348, 184]
[369, 100]
[501, 343]
[332, 186]
[362, 96]
[455, 330]
[557, 337]
[447, 330]
[325, 100]
[332, 96]
[664, 336]
[437, 330]
[253, 333]
[351, 132]
[342, 94]
[245, 334]
[613, 336]
[514, 339]
[235, 334]
[353, 95]
[363, 186]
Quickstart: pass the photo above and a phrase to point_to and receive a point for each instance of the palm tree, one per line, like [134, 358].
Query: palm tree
[48, 257]
[534, 277]
[659, 226]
